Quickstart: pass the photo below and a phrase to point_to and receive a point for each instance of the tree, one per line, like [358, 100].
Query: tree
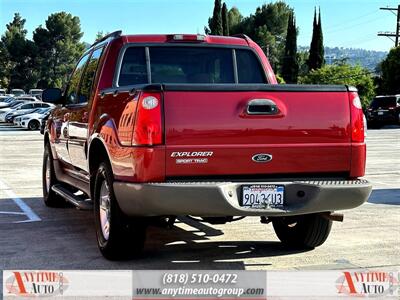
[100, 35]
[344, 74]
[316, 58]
[390, 70]
[59, 48]
[215, 22]
[234, 18]
[290, 65]
[225, 20]
[17, 55]
[267, 27]
[3, 66]
[302, 59]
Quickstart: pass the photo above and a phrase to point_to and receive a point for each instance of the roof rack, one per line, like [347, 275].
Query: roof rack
[113, 35]
[242, 36]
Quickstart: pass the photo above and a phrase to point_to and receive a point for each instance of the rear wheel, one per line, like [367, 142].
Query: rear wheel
[118, 236]
[33, 125]
[49, 179]
[306, 231]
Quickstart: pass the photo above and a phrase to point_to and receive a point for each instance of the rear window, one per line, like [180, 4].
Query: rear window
[192, 65]
[383, 102]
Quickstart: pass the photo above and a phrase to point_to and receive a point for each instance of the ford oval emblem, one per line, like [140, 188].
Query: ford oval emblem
[262, 157]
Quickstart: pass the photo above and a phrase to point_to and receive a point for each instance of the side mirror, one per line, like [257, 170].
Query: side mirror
[52, 95]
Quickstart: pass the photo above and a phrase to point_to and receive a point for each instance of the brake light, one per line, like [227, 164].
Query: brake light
[188, 37]
[357, 119]
[148, 129]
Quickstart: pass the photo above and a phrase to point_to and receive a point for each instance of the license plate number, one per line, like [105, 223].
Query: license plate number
[263, 196]
[380, 113]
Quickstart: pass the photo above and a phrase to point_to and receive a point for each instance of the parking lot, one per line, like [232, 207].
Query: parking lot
[34, 236]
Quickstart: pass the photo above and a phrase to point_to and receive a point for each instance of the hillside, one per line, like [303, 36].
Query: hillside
[366, 58]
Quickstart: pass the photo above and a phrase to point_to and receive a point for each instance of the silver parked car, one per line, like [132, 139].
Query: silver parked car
[17, 92]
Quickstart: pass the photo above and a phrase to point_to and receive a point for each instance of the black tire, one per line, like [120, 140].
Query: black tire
[33, 125]
[50, 198]
[306, 231]
[126, 236]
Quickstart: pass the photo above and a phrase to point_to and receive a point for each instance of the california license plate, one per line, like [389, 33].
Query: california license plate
[263, 196]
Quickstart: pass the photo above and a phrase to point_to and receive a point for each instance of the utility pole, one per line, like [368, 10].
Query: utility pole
[396, 34]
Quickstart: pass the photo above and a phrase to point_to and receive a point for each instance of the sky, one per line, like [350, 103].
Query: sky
[349, 24]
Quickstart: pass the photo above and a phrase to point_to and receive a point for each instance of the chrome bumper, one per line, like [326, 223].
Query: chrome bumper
[222, 198]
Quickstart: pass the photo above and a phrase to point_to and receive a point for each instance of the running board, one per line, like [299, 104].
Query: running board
[77, 201]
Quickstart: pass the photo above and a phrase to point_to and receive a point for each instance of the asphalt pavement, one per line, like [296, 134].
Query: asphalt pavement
[33, 236]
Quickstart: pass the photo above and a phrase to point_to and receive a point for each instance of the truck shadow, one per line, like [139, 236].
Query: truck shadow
[192, 249]
[65, 239]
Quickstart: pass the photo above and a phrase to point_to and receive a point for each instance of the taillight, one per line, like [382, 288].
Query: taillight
[148, 128]
[357, 119]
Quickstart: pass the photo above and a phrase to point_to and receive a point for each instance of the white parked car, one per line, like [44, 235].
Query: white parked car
[33, 120]
[36, 93]
[17, 92]
[4, 111]
[25, 109]
[3, 92]
[27, 98]
[6, 102]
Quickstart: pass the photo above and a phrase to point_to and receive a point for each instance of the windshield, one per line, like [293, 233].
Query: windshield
[16, 103]
[383, 102]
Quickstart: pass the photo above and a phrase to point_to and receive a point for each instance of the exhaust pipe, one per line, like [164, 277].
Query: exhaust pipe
[333, 216]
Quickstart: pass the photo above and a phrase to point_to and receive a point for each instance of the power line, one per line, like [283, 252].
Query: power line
[339, 25]
[347, 26]
[396, 34]
[359, 41]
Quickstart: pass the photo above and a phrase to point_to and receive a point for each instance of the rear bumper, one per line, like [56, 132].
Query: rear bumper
[222, 198]
[387, 117]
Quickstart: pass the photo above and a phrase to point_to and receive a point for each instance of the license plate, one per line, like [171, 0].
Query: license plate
[380, 113]
[263, 196]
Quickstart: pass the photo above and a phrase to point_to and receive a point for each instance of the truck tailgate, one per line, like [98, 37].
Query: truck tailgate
[217, 132]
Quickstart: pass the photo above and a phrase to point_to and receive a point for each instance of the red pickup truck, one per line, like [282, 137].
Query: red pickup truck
[172, 125]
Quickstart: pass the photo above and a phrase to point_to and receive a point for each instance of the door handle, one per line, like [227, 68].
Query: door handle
[262, 107]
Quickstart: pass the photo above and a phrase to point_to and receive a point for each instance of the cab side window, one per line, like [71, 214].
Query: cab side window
[72, 89]
[26, 106]
[88, 76]
[249, 68]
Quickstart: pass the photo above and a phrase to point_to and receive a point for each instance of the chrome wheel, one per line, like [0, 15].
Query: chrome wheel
[104, 210]
[48, 174]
